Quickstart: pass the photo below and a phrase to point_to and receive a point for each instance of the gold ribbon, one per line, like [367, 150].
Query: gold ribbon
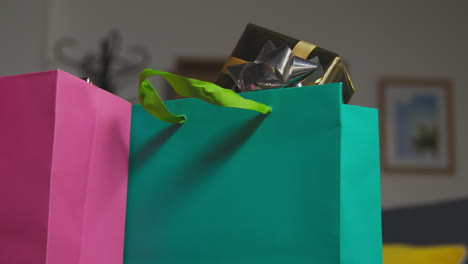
[337, 72]
[301, 50]
[232, 61]
[332, 74]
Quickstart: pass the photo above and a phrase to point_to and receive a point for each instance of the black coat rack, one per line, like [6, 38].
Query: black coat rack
[105, 65]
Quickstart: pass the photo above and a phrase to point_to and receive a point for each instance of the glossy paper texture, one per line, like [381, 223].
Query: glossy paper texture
[235, 186]
[69, 176]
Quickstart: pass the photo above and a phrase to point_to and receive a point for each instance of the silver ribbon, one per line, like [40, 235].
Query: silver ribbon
[275, 68]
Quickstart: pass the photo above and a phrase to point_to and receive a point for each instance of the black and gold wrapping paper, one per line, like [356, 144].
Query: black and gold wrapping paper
[254, 37]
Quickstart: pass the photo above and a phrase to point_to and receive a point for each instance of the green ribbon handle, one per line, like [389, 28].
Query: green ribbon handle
[206, 91]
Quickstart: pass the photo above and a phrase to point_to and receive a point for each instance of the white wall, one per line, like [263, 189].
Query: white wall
[395, 38]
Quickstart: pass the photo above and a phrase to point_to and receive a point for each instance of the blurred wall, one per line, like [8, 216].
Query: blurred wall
[378, 39]
[22, 36]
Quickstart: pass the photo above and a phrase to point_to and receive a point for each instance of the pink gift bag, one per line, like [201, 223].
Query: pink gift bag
[64, 147]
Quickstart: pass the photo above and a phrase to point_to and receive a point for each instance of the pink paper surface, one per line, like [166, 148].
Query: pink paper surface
[81, 212]
[27, 105]
[107, 186]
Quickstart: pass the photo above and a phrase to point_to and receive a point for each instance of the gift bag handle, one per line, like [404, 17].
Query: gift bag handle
[206, 91]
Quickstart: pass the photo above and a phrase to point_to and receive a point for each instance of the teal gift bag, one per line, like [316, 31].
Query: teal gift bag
[233, 186]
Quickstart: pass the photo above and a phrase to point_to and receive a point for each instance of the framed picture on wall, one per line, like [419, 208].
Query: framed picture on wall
[416, 118]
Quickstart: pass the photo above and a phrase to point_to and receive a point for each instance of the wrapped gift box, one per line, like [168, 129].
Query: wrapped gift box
[254, 37]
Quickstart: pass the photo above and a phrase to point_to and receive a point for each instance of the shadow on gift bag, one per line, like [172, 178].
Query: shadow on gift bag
[201, 167]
